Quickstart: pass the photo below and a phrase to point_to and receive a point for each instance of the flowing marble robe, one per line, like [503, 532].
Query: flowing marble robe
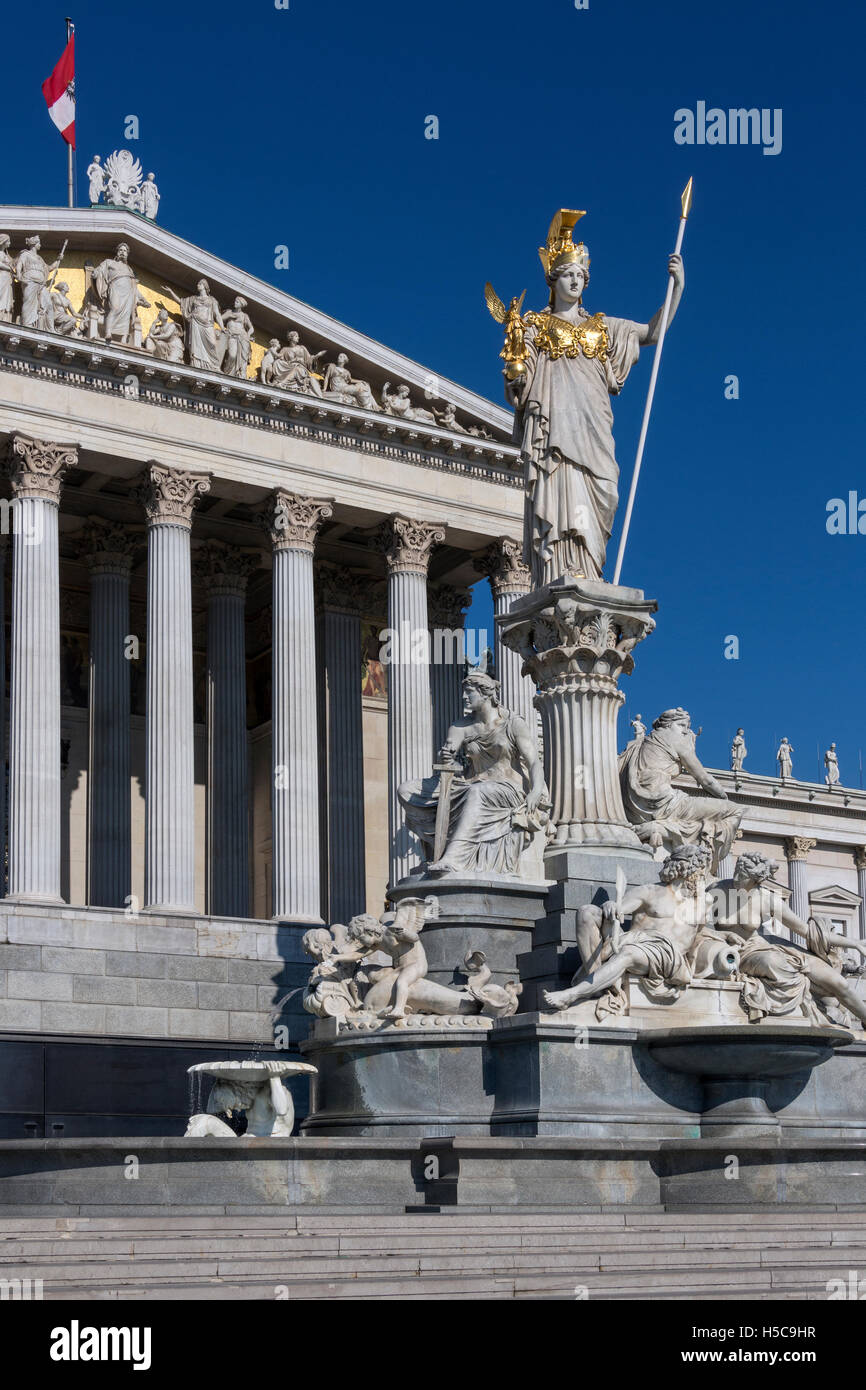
[489, 826]
[565, 427]
[37, 310]
[647, 769]
[117, 287]
[7, 270]
[201, 313]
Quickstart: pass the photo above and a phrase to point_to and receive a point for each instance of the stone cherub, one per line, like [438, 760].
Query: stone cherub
[267, 1104]
[345, 982]
[660, 948]
[665, 815]
[778, 977]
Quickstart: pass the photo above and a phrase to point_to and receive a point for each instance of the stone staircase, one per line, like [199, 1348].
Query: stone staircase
[428, 1255]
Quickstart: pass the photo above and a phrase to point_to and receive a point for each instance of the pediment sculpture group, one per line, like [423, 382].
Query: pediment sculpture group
[199, 332]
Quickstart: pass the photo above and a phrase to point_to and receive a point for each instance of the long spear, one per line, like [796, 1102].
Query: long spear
[685, 203]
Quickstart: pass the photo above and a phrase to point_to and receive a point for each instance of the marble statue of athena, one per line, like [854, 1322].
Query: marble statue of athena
[572, 362]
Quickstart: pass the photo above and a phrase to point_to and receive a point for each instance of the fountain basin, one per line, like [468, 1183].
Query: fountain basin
[254, 1088]
[735, 1065]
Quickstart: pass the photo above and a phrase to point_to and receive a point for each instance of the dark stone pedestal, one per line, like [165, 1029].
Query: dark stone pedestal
[496, 916]
[402, 1082]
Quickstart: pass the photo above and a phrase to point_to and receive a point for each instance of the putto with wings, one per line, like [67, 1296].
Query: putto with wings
[514, 349]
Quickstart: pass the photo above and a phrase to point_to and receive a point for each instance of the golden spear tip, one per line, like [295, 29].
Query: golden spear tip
[686, 200]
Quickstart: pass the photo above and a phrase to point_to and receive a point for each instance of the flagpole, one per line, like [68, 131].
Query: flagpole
[685, 203]
[70, 152]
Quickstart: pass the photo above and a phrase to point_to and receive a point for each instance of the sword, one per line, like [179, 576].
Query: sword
[443, 807]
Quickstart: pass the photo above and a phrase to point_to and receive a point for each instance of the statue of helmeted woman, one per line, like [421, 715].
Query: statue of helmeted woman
[562, 366]
[487, 811]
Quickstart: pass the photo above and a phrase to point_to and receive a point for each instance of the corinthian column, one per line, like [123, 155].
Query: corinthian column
[345, 598]
[796, 852]
[293, 523]
[860, 865]
[225, 570]
[576, 638]
[446, 615]
[408, 545]
[169, 497]
[36, 468]
[107, 549]
[509, 579]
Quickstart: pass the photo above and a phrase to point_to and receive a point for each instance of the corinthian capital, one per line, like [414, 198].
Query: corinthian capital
[797, 847]
[293, 522]
[503, 564]
[36, 466]
[224, 569]
[169, 495]
[446, 606]
[107, 547]
[860, 857]
[408, 544]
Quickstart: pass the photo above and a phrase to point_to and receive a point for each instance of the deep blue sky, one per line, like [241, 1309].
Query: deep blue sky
[306, 127]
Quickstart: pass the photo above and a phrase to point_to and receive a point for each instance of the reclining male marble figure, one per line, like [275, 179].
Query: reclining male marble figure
[660, 947]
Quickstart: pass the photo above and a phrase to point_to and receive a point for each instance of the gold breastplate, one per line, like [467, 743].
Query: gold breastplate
[559, 338]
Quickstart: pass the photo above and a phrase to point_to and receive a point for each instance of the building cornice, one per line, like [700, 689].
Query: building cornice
[179, 259]
[122, 372]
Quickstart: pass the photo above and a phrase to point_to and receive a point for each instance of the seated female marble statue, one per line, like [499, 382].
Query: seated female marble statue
[495, 807]
[778, 977]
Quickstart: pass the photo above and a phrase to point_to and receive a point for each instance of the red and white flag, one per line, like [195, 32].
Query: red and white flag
[59, 92]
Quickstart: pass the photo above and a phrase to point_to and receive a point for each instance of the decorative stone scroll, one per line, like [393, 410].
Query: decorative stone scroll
[36, 467]
[503, 565]
[408, 544]
[169, 495]
[293, 522]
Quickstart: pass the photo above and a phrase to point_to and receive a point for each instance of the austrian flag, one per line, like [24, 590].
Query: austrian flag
[59, 92]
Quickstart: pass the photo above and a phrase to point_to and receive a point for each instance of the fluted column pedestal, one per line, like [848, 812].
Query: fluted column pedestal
[860, 865]
[169, 498]
[509, 580]
[446, 615]
[796, 852]
[344, 598]
[408, 545]
[107, 549]
[36, 468]
[576, 638]
[293, 523]
[224, 570]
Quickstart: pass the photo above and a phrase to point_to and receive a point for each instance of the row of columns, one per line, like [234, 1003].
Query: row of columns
[168, 497]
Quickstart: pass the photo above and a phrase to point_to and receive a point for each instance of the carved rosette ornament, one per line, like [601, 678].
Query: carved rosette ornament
[446, 606]
[169, 495]
[36, 467]
[576, 640]
[224, 569]
[107, 547]
[797, 847]
[293, 522]
[408, 545]
[503, 565]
